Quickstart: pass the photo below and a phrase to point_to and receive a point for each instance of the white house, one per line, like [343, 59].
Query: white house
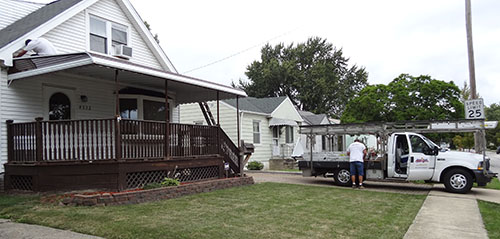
[108, 64]
[271, 124]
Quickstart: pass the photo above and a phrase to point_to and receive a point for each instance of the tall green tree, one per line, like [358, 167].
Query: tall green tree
[493, 135]
[314, 75]
[406, 98]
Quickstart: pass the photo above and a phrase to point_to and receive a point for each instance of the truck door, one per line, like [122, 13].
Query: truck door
[422, 158]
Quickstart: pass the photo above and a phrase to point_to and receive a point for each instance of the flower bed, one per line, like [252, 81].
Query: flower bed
[140, 196]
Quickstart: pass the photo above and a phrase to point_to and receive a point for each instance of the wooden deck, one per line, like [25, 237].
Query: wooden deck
[114, 154]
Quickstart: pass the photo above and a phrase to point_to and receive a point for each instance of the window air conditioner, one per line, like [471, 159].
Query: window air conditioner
[123, 51]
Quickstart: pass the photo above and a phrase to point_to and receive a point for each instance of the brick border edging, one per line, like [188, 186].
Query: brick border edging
[156, 194]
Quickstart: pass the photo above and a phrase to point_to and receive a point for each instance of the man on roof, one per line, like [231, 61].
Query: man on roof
[41, 46]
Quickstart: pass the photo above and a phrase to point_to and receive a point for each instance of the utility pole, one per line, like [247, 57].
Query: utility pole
[472, 71]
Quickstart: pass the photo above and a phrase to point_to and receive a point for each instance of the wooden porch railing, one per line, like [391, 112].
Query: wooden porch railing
[114, 139]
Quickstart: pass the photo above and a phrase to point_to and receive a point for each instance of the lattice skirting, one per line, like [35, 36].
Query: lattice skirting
[21, 182]
[139, 179]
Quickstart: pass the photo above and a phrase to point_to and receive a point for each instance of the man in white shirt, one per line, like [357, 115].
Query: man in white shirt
[41, 46]
[356, 153]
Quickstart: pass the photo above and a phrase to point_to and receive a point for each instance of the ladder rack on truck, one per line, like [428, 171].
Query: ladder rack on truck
[426, 165]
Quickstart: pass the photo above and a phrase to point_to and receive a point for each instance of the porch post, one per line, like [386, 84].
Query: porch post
[218, 126]
[166, 150]
[118, 146]
[240, 159]
[38, 138]
[10, 141]
[117, 95]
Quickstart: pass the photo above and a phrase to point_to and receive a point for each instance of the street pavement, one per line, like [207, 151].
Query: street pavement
[14, 230]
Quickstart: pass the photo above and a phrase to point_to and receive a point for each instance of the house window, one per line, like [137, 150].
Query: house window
[256, 132]
[98, 35]
[59, 107]
[276, 130]
[128, 108]
[105, 35]
[154, 110]
[324, 140]
[289, 134]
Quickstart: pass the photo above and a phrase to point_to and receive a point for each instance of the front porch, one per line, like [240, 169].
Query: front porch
[114, 154]
[108, 124]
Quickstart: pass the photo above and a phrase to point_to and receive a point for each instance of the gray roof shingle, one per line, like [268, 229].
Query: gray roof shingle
[33, 20]
[311, 118]
[259, 105]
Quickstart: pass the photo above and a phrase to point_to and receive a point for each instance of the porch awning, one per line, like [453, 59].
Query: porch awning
[187, 89]
[281, 122]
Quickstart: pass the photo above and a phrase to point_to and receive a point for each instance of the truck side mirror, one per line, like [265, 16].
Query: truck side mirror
[436, 150]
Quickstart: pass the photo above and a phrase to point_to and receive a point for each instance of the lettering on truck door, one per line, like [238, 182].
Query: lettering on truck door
[422, 159]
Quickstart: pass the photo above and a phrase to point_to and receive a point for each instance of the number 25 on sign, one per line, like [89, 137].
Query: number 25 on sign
[474, 109]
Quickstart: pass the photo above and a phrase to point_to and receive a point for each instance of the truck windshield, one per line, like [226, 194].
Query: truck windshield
[429, 142]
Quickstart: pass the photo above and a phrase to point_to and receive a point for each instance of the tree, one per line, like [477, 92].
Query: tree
[314, 75]
[406, 98]
[493, 135]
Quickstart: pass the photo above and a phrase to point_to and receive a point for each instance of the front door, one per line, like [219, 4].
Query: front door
[275, 146]
[421, 159]
[59, 103]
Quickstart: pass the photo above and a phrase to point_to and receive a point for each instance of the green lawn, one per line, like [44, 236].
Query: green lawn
[491, 217]
[267, 210]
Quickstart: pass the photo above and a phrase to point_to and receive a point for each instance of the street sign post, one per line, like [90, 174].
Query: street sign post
[474, 109]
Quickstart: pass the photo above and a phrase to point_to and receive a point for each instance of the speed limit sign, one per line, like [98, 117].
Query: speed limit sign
[474, 109]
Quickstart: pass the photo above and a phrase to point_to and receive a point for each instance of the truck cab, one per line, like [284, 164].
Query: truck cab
[414, 157]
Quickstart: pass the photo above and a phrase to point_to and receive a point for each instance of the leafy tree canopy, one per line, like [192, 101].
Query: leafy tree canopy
[493, 135]
[406, 98]
[314, 75]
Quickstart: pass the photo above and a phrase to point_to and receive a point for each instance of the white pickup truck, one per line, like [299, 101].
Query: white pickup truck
[404, 155]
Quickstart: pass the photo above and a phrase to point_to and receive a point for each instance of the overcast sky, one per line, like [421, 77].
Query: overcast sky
[386, 37]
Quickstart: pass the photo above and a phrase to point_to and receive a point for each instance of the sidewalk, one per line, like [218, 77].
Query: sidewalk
[447, 215]
[14, 230]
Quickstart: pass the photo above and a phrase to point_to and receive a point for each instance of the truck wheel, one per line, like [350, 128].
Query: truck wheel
[343, 177]
[458, 181]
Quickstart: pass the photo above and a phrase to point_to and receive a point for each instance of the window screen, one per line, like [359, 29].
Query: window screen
[154, 110]
[98, 37]
[256, 132]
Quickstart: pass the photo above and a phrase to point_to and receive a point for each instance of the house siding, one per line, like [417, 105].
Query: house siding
[75, 35]
[287, 111]
[11, 11]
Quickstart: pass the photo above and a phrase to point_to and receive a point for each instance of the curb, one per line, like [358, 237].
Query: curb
[272, 172]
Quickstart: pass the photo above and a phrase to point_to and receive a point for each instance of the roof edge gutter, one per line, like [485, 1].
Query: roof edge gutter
[49, 69]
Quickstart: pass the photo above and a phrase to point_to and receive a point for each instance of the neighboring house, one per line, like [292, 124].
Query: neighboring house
[271, 124]
[103, 100]
[320, 143]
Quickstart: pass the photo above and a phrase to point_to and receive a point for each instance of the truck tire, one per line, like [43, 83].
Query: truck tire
[458, 181]
[342, 177]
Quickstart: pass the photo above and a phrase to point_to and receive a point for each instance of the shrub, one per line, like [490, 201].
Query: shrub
[254, 165]
[167, 182]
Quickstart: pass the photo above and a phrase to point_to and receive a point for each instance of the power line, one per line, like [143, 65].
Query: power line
[240, 52]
